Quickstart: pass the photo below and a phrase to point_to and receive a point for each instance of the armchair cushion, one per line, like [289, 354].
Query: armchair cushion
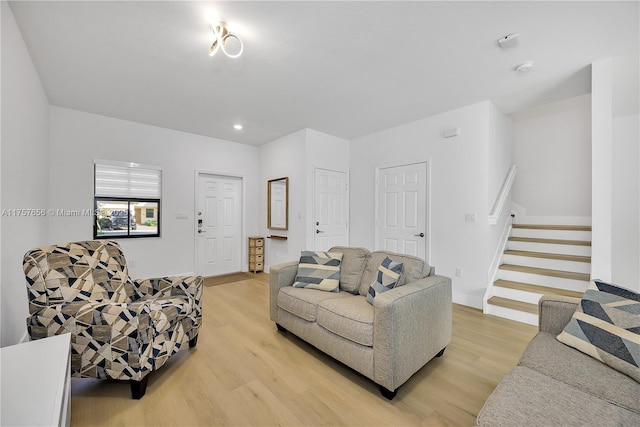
[79, 271]
[319, 270]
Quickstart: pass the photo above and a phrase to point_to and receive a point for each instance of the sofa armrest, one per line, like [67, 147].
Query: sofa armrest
[412, 323]
[280, 275]
[555, 312]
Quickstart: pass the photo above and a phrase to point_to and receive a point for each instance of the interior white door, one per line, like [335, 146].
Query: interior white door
[331, 205]
[401, 210]
[219, 225]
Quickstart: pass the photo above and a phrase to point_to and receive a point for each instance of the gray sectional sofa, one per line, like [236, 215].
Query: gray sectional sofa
[387, 341]
[556, 385]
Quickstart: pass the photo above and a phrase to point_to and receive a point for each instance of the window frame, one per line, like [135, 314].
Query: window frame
[130, 200]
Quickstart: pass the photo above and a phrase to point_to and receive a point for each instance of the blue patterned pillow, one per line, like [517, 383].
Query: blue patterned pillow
[606, 326]
[319, 270]
[388, 276]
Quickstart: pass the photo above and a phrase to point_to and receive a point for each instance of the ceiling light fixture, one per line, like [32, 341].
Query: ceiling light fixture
[523, 68]
[223, 35]
[237, 126]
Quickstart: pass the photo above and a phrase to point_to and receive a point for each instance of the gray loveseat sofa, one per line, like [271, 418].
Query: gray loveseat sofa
[387, 341]
[556, 385]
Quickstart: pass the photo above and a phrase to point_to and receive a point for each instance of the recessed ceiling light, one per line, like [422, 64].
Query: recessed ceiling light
[237, 126]
[523, 68]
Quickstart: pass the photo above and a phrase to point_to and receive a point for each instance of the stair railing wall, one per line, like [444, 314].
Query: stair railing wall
[500, 215]
[503, 196]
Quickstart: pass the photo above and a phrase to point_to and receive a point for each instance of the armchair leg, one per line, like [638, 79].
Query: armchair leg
[193, 341]
[441, 352]
[388, 394]
[138, 388]
[281, 328]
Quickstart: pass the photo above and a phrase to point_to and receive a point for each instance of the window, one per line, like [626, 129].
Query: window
[127, 200]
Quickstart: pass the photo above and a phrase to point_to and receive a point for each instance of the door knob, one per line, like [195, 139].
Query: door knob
[419, 235]
[318, 231]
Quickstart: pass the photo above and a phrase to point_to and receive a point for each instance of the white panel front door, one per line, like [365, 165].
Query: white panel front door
[331, 205]
[401, 209]
[218, 225]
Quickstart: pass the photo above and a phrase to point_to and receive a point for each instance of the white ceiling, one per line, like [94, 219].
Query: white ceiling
[343, 68]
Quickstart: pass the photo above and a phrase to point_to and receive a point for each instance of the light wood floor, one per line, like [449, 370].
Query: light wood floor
[244, 373]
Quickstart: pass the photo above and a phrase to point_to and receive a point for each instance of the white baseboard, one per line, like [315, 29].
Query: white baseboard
[468, 300]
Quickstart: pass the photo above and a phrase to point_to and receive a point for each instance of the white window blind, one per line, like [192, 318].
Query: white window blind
[127, 180]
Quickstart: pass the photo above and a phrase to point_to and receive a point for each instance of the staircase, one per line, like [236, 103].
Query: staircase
[540, 259]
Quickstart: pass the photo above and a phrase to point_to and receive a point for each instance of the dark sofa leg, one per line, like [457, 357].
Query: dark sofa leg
[193, 341]
[280, 328]
[441, 352]
[388, 394]
[139, 388]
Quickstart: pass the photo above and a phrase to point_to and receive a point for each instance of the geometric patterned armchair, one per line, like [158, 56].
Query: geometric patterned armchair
[120, 328]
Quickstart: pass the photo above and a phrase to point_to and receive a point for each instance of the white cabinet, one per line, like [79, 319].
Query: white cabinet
[36, 382]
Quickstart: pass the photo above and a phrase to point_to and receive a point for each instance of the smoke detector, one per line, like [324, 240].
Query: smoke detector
[510, 40]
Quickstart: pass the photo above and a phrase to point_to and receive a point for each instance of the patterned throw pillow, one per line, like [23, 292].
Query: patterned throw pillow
[388, 276]
[606, 326]
[319, 270]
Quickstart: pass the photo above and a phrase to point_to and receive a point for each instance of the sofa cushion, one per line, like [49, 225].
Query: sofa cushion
[304, 302]
[548, 356]
[528, 398]
[351, 318]
[388, 275]
[353, 262]
[414, 269]
[606, 326]
[319, 270]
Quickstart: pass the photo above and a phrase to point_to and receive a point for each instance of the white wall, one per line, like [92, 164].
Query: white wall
[552, 151]
[459, 184]
[77, 138]
[625, 216]
[625, 256]
[297, 155]
[286, 156]
[616, 238]
[25, 171]
[499, 161]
